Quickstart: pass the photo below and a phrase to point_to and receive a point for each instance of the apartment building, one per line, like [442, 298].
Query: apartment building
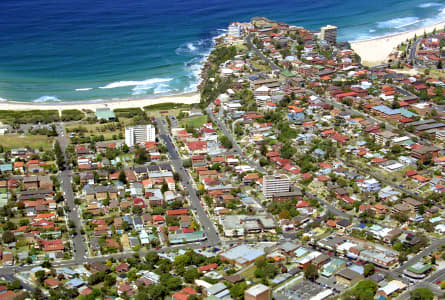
[135, 135]
[275, 184]
[422, 152]
[329, 34]
[384, 137]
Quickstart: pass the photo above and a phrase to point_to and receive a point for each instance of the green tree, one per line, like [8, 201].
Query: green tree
[364, 290]
[122, 177]
[237, 290]
[191, 274]
[287, 151]
[422, 294]
[225, 141]
[15, 284]
[369, 270]
[8, 237]
[37, 294]
[40, 275]
[311, 272]
[141, 156]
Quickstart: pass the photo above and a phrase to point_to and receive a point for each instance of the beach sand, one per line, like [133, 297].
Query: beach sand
[187, 98]
[376, 51]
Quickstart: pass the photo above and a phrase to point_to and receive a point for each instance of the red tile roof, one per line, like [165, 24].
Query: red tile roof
[207, 267]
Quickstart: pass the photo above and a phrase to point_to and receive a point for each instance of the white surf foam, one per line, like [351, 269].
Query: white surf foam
[191, 47]
[397, 23]
[156, 84]
[47, 99]
[195, 48]
[83, 89]
[428, 4]
[141, 83]
[161, 88]
[3, 99]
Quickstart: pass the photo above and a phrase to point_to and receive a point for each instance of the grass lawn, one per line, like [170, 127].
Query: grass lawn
[435, 73]
[196, 122]
[249, 272]
[164, 112]
[94, 129]
[260, 65]
[33, 141]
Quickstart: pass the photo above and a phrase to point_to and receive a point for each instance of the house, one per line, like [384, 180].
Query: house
[343, 224]
[158, 220]
[320, 260]
[52, 283]
[287, 248]
[31, 182]
[218, 290]
[7, 258]
[54, 245]
[392, 287]
[348, 277]
[123, 267]
[208, 268]
[413, 204]
[98, 267]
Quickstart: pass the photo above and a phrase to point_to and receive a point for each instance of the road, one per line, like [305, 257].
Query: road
[429, 283]
[427, 251]
[175, 159]
[236, 147]
[66, 178]
[331, 208]
[260, 54]
[413, 51]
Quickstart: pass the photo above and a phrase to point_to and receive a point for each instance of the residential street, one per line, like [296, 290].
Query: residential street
[206, 223]
[66, 177]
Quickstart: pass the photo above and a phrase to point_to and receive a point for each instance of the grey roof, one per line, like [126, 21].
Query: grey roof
[216, 288]
[288, 246]
[348, 274]
[344, 223]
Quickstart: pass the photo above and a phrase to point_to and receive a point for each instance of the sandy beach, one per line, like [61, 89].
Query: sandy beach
[375, 51]
[187, 98]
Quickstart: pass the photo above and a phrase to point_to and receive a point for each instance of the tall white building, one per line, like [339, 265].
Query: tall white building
[234, 30]
[275, 184]
[329, 34]
[135, 135]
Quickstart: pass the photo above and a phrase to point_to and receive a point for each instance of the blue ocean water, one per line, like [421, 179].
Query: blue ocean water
[53, 50]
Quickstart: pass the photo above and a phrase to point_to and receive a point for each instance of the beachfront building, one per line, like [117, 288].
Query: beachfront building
[329, 34]
[275, 184]
[234, 30]
[135, 135]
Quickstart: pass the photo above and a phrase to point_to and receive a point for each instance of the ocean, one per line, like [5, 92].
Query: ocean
[60, 50]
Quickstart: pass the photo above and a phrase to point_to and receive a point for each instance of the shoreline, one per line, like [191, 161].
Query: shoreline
[184, 98]
[376, 50]
[193, 97]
